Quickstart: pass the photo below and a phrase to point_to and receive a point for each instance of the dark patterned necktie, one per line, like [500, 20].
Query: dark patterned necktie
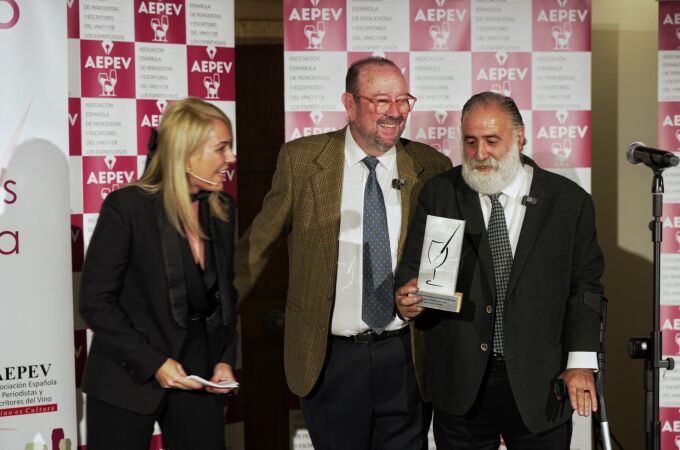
[501, 253]
[377, 304]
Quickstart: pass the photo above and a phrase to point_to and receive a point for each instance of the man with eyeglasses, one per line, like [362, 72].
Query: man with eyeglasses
[344, 200]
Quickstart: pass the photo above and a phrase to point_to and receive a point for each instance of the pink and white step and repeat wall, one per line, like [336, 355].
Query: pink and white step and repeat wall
[669, 139]
[537, 51]
[127, 60]
[37, 397]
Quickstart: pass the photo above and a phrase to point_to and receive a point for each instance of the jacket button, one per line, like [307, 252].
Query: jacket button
[484, 347]
[489, 309]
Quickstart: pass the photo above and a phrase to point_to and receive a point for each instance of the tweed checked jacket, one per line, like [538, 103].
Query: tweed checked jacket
[304, 205]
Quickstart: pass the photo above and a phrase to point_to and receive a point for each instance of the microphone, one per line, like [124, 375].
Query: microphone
[398, 183]
[656, 159]
[529, 201]
[212, 183]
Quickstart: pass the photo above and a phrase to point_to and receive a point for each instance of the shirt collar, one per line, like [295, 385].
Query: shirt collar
[515, 188]
[354, 154]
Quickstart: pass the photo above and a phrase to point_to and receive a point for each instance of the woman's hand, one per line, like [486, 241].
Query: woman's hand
[171, 375]
[222, 372]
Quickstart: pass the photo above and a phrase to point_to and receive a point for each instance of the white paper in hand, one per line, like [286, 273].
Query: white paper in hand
[232, 384]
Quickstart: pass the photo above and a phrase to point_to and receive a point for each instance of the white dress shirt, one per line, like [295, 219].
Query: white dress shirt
[346, 319]
[511, 199]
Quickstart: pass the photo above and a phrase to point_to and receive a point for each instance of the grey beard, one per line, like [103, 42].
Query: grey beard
[491, 182]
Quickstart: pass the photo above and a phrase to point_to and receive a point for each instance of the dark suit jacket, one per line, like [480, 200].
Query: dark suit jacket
[134, 298]
[304, 204]
[556, 262]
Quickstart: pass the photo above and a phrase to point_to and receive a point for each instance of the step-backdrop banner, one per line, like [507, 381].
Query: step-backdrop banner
[537, 51]
[669, 138]
[127, 60]
[37, 396]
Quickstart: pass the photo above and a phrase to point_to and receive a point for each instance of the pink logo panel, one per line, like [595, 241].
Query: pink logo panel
[506, 73]
[440, 129]
[104, 174]
[670, 328]
[561, 25]
[160, 21]
[80, 343]
[315, 25]
[74, 127]
[670, 428]
[77, 242]
[669, 26]
[440, 25]
[669, 126]
[73, 19]
[107, 69]
[231, 185]
[561, 138]
[401, 59]
[148, 117]
[211, 72]
[308, 123]
[670, 232]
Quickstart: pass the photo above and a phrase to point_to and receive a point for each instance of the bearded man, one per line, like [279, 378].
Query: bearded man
[529, 261]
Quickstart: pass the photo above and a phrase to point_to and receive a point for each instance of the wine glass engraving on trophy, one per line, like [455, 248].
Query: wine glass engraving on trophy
[434, 34]
[507, 88]
[556, 32]
[437, 254]
[165, 24]
[309, 30]
[102, 78]
[155, 26]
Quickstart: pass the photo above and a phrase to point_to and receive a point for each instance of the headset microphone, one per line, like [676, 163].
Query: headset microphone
[212, 183]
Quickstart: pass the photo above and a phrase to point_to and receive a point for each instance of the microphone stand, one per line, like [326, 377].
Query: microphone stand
[601, 413]
[649, 348]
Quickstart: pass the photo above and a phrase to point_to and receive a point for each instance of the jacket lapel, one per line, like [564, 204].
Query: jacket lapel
[219, 237]
[475, 229]
[533, 218]
[408, 169]
[172, 258]
[326, 185]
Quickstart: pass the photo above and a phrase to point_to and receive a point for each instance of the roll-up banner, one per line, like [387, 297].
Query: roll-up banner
[127, 60]
[37, 394]
[537, 51]
[668, 130]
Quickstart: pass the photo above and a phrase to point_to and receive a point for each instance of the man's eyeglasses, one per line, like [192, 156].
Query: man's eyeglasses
[382, 105]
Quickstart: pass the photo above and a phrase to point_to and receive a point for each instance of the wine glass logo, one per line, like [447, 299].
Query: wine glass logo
[561, 35]
[677, 135]
[677, 441]
[440, 35]
[677, 239]
[507, 88]
[108, 81]
[437, 254]
[314, 35]
[160, 28]
[212, 85]
[496, 88]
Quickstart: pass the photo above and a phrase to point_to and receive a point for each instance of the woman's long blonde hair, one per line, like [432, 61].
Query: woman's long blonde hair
[184, 128]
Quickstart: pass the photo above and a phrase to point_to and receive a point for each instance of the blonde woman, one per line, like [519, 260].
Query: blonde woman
[157, 292]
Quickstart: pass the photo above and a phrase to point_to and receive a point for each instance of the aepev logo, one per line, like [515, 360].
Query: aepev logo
[107, 69]
[9, 14]
[103, 175]
[211, 72]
